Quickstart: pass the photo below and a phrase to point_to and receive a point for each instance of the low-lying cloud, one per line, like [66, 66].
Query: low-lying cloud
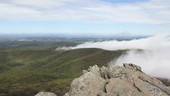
[152, 43]
[154, 56]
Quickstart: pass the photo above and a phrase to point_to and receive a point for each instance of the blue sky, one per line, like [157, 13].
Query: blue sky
[85, 17]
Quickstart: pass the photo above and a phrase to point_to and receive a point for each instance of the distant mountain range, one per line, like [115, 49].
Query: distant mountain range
[116, 36]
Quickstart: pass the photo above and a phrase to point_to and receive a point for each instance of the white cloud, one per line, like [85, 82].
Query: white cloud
[151, 12]
[8, 11]
[153, 62]
[155, 42]
[154, 57]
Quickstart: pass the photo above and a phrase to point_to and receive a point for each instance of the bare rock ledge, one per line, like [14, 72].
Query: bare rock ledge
[126, 80]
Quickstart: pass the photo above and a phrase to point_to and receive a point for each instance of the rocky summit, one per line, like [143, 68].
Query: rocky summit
[126, 80]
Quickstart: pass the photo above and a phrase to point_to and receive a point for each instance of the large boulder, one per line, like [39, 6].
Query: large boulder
[126, 80]
[88, 84]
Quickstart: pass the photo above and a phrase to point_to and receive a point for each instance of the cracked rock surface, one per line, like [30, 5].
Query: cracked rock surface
[126, 80]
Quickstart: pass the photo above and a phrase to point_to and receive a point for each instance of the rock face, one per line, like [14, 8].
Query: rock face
[126, 80]
[45, 94]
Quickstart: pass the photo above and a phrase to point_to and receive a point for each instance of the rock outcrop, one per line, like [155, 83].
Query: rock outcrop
[126, 80]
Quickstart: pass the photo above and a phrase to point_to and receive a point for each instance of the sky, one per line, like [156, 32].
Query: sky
[85, 17]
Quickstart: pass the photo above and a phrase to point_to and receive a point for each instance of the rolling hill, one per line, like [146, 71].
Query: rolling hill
[26, 71]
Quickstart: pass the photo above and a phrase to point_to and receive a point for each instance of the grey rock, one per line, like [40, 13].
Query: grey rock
[45, 94]
[95, 70]
[88, 84]
[126, 80]
[67, 94]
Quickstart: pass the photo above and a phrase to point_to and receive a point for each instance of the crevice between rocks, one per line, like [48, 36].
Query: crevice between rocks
[136, 87]
[105, 90]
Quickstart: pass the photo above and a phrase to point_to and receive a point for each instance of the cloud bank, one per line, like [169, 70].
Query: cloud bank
[154, 57]
[155, 42]
[148, 12]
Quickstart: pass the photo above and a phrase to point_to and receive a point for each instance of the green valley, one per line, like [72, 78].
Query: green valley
[26, 71]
